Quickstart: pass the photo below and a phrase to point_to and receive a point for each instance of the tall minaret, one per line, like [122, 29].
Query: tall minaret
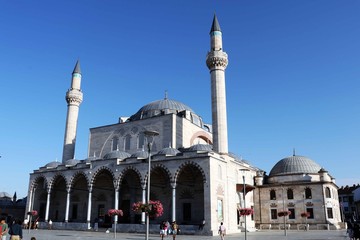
[74, 98]
[217, 60]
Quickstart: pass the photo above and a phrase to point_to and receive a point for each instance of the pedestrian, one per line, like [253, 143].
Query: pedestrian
[222, 231]
[4, 228]
[201, 225]
[174, 229]
[50, 224]
[162, 229]
[16, 231]
[26, 223]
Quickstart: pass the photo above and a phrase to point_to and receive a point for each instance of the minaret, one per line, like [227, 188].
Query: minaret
[74, 98]
[217, 60]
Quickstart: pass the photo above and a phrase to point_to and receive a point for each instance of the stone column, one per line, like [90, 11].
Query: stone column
[67, 204]
[88, 219]
[173, 200]
[48, 204]
[116, 205]
[143, 199]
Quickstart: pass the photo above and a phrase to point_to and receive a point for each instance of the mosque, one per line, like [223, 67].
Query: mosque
[186, 163]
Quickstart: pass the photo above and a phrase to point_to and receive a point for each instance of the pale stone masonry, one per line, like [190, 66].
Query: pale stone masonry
[192, 172]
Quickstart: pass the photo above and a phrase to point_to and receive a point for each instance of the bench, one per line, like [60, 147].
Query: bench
[281, 226]
[265, 226]
[323, 226]
[305, 227]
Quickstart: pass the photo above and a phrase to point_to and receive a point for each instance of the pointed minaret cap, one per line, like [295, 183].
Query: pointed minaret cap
[77, 67]
[215, 25]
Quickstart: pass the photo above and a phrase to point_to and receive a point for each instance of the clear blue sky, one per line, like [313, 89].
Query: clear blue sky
[293, 78]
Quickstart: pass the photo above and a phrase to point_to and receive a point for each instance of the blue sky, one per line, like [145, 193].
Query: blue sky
[293, 78]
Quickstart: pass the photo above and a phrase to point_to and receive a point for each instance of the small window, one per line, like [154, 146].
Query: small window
[127, 142]
[273, 214]
[292, 214]
[272, 195]
[141, 140]
[327, 192]
[330, 213]
[290, 194]
[308, 194]
[311, 212]
[115, 142]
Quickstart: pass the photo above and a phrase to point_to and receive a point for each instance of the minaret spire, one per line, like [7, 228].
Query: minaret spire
[217, 61]
[73, 98]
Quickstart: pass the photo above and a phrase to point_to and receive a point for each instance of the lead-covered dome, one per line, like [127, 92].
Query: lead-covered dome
[160, 107]
[117, 154]
[295, 164]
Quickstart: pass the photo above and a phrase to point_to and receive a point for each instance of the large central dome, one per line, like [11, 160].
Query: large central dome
[295, 164]
[160, 107]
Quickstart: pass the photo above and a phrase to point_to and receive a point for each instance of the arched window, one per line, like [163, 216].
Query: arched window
[141, 140]
[127, 142]
[272, 194]
[115, 142]
[308, 194]
[327, 192]
[290, 193]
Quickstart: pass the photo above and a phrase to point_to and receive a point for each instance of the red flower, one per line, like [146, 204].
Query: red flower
[305, 214]
[284, 213]
[246, 211]
[33, 213]
[154, 208]
[112, 212]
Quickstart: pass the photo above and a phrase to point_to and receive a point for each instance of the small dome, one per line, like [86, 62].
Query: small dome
[71, 162]
[295, 164]
[117, 154]
[53, 164]
[200, 148]
[5, 195]
[140, 155]
[158, 107]
[168, 151]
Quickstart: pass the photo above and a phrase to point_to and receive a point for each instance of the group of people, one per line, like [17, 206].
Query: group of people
[15, 230]
[353, 229]
[169, 229]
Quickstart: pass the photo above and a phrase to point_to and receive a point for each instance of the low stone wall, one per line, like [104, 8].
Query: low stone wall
[128, 228]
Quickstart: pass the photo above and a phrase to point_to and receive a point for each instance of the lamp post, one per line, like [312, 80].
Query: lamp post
[149, 137]
[244, 192]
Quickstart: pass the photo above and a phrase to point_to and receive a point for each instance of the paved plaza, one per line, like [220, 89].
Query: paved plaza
[260, 235]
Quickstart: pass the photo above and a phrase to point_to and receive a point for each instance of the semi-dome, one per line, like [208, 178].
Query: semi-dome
[160, 107]
[295, 164]
[140, 155]
[117, 154]
[169, 151]
[200, 148]
[71, 162]
[4, 195]
[53, 164]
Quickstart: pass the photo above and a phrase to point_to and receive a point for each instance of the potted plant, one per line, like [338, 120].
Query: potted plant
[153, 208]
[284, 213]
[246, 211]
[115, 212]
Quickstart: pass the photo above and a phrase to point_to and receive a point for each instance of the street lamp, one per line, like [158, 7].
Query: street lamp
[244, 192]
[150, 138]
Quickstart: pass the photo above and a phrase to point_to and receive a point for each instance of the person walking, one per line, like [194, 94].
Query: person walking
[4, 228]
[222, 231]
[16, 231]
[162, 229]
[174, 229]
